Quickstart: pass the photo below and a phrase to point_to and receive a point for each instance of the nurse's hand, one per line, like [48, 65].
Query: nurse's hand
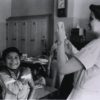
[61, 32]
[68, 49]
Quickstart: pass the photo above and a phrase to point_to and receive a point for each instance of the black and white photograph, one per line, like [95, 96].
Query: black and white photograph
[49, 49]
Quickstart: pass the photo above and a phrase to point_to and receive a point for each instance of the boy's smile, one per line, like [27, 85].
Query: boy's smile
[13, 60]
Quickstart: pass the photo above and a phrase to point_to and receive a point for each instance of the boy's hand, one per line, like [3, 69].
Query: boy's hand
[41, 81]
[9, 95]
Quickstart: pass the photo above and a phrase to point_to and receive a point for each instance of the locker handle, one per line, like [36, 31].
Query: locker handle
[6, 24]
[14, 39]
[6, 38]
[22, 39]
[32, 40]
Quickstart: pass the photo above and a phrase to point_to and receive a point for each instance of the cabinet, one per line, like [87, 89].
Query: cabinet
[30, 34]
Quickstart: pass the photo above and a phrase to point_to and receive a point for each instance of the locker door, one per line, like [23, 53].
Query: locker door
[9, 29]
[33, 38]
[19, 35]
[38, 37]
[22, 36]
[14, 37]
[44, 33]
[29, 22]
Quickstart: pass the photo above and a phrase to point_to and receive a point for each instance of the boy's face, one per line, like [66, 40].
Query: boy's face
[13, 60]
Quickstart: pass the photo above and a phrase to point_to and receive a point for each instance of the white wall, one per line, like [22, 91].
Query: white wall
[81, 14]
[68, 20]
[81, 8]
[70, 10]
[31, 7]
[5, 11]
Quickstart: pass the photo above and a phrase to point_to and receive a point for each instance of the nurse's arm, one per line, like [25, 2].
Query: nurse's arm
[67, 66]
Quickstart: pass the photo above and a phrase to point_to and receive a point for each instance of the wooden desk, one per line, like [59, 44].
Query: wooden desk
[42, 92]
[37, 69]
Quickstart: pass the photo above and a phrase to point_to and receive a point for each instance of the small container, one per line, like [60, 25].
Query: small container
[24, 56]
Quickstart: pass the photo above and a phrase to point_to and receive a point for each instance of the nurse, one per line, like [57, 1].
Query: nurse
[84, 63]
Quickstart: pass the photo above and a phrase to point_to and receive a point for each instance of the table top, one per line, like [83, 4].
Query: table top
[42, 61]
[43, 91]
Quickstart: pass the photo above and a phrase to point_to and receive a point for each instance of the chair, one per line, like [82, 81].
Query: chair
[52, 68]
[66, 86]
[49, 64]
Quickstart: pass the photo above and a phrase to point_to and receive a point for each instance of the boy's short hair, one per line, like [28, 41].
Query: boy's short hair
[8, 50]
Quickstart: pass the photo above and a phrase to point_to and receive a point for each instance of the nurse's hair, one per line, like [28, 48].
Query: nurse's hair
[96, 10]
[9, 50]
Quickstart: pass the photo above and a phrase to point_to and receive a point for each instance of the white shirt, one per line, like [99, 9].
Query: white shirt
[87, 81]
[16, 85]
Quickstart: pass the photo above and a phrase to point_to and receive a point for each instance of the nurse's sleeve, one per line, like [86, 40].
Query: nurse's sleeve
[89, 54]
[74, 49]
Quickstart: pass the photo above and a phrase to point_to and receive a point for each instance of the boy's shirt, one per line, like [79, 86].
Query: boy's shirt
[16, 85]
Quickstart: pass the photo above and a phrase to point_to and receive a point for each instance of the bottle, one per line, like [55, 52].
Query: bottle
[78, 26]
